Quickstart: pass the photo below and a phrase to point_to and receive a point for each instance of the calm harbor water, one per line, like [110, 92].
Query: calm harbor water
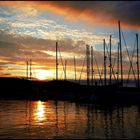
[62, 119]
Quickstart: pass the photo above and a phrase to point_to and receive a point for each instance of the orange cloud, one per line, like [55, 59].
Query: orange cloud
[94, 13]
[99, 13]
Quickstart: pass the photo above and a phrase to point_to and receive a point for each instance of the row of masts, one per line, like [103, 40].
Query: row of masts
[90, 63]
[90, 58]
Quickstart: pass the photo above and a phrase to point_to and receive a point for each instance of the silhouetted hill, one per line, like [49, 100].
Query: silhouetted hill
[16, 88]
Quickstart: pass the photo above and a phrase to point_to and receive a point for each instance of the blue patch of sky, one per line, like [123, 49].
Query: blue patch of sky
[105, 30]
[98, 47]
[129, 35]
[130, 38]
[5, 12]
[8, 16]
[11, 17]
[62, 21]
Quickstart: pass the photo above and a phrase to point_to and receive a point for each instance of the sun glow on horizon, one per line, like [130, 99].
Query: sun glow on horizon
[43, 74]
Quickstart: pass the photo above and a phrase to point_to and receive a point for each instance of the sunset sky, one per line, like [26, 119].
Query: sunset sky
[30, 29]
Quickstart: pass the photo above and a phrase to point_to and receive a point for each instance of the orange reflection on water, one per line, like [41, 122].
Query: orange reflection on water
[39, 112]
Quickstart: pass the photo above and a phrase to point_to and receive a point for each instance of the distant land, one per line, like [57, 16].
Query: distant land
[16, 88]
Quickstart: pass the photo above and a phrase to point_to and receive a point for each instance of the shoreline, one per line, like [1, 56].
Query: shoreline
[14, 88]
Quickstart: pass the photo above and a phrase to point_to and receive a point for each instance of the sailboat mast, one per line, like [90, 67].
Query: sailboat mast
[65, 69]
[137, 59]
[56, 61]
[27, 70]
[104, 63]
[30, 68]
[92, 70]
[110, 63]
[120, 53]
[75, 68]
[118, 64]
[88, 63]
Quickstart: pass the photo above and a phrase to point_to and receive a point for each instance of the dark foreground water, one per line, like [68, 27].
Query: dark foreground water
[50, 119]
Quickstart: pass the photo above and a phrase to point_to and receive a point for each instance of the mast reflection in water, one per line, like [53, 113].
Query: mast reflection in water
[51, 119]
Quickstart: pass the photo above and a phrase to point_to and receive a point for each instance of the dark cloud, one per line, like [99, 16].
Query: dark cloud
[99, 12]
[104, 12]
[20, 49]
[17, 49]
